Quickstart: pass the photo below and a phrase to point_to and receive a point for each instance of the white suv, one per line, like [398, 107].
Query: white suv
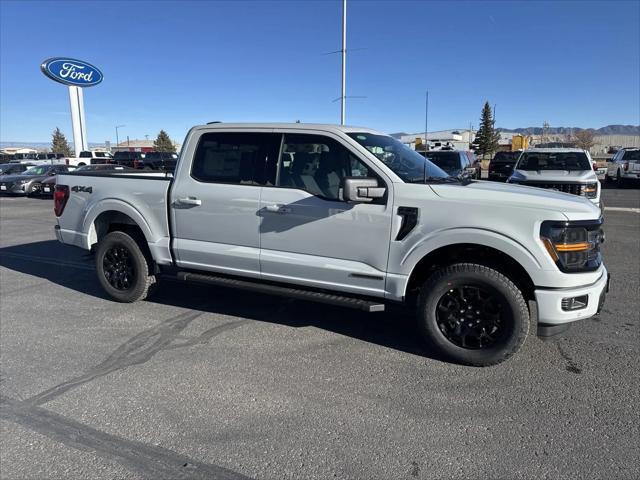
[568, 170]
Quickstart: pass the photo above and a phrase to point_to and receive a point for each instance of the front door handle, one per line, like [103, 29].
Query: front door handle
[277, 209]
[189, 201]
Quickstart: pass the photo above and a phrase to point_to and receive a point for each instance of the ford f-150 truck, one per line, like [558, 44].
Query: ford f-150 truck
[346, 216]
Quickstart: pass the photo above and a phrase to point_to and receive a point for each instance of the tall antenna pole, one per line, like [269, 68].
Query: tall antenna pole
[426, 123]
[343, 99]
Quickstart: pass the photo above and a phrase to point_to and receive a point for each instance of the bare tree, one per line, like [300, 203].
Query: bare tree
[584, 139]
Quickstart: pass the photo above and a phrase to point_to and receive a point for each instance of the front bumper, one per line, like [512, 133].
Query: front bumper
[13, 188]
[549, 301]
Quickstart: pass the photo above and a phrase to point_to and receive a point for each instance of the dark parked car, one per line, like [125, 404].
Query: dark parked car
[456, 163]
[129, 159]
[501, 167]
[47, 186]
[23, 183]
[159, 161]
[6, 157]
[13, 168]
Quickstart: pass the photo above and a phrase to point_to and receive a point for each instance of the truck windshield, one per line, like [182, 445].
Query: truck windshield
[408, 164]
[553, 161]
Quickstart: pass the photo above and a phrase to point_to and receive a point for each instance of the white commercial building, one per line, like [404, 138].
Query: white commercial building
[458, 139]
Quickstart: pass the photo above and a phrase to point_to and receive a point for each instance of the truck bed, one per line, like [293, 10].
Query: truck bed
[139, 198]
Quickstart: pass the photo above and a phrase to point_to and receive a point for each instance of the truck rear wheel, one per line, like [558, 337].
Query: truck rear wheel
[472, 314]
[123, 269]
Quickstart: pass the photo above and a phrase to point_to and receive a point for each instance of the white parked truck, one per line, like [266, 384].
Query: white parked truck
[568, 170]
[89, 157]
[346, 216]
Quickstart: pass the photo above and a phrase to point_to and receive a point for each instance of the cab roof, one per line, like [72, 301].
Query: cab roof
[289, 126]
[554, 150]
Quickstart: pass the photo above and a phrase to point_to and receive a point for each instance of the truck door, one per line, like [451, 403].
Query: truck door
[308, 234]
[215, 203]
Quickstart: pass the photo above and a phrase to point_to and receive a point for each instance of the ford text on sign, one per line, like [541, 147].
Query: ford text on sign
[71, 72]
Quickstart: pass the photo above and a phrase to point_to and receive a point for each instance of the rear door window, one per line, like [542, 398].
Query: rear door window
[236, 157]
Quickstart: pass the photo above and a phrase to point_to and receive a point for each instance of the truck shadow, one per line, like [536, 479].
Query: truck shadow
[71, 268]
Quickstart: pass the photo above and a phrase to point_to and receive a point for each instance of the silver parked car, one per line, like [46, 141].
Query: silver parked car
[23, 183]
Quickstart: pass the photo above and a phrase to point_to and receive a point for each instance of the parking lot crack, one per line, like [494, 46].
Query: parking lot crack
[138, 350]
[148, 461]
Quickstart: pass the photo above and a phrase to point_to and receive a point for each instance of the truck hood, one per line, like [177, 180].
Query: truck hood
[573, 176]
[500, 194]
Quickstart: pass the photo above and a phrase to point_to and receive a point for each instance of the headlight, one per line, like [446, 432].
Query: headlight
[573, 246]
[590, 190]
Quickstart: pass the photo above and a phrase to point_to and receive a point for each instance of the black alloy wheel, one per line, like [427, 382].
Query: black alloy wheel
[471, 316]
[123, 269]
[119, 269]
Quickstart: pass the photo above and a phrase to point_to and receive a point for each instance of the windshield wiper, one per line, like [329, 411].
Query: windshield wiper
[426, 180]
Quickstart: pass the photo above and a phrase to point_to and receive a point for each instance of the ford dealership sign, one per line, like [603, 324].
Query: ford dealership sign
[71, 72]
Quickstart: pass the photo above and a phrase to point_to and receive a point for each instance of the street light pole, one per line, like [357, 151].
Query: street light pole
[343, 99]
[426, 123]
[117, 139]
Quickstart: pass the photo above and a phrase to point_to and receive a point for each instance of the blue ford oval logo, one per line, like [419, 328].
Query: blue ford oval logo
[71, 72]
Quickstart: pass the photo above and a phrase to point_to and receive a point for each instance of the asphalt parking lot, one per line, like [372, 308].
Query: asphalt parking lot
[201, 382]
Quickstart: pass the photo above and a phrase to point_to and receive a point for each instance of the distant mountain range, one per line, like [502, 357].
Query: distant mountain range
[42, 145]
[608, 130]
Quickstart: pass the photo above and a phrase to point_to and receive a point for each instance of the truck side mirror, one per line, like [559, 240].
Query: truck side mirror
[362, 190]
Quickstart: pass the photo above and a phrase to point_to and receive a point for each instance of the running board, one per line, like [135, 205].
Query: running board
[331, 299]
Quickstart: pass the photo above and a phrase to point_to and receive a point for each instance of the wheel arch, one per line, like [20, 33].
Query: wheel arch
[110, 215]
[469, 253]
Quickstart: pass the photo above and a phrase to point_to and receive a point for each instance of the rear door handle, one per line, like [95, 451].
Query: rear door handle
[277, 209]
[196, 202]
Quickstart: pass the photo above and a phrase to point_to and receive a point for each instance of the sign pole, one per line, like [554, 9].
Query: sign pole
[83, 123]
[76, 103]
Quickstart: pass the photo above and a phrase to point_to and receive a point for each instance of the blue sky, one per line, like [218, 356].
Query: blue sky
[171, 64]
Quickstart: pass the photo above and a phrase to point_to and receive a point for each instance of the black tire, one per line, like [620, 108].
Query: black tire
[619, 179]
[123, 269]
[503, 311]
[607, 178]
[81, 164]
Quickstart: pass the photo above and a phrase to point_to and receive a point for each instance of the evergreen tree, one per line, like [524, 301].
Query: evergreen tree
[59, 143]
[487, 138]
[163, 143]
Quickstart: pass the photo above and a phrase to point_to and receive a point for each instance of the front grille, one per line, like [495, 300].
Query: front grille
[574, 188]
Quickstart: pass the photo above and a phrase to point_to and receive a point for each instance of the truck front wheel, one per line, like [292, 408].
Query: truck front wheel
[472, 314]
[123, 270]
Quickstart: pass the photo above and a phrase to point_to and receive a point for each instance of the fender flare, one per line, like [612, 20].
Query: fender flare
[482, 237]
[113, 205]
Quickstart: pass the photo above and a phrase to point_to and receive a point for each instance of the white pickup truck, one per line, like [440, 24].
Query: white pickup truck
[346, 216]
[87, 157]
